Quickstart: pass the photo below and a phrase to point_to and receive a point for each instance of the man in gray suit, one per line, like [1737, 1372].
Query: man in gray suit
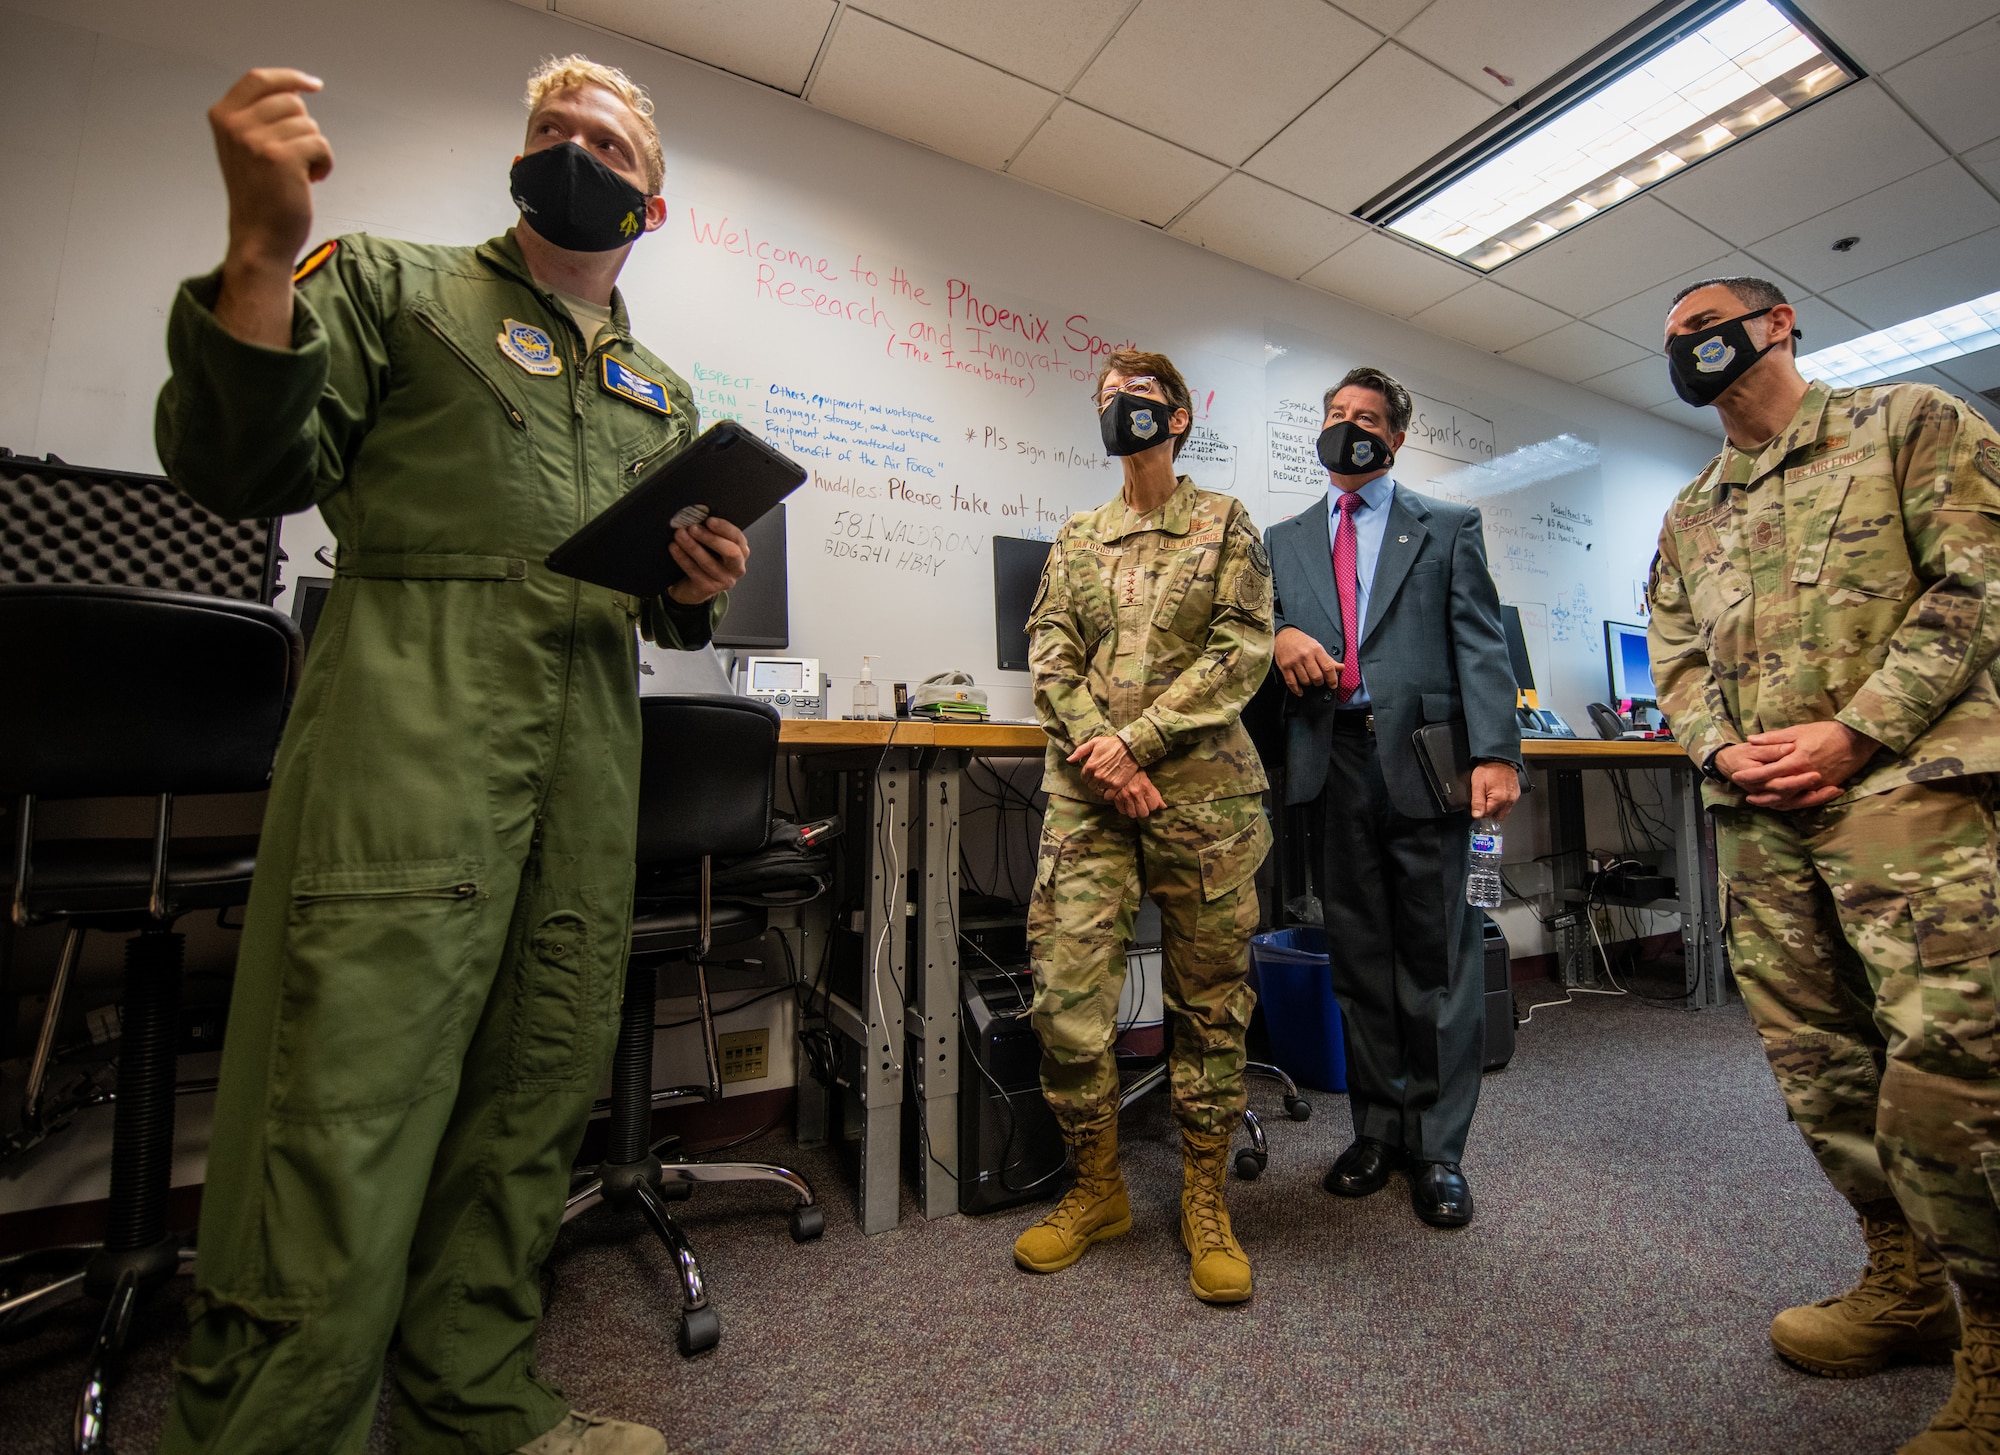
[1403, 579]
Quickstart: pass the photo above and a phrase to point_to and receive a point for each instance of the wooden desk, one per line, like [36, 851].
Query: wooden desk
[900, 799]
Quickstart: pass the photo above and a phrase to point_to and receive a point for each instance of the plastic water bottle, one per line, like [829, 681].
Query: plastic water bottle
[1482, 885]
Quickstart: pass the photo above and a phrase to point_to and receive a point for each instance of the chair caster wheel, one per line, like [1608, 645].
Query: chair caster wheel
[808, 1222]
[1249, 1164]
[700, 1329]
[672, 1189]
[1298, 1108]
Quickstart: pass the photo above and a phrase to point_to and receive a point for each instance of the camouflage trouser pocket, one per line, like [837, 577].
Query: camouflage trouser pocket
[1234, 861]
[1048, 858]
[1957, 933]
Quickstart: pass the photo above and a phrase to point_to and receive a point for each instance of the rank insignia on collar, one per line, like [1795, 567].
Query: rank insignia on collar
[628, 383]
[315, 260]
[529, 349]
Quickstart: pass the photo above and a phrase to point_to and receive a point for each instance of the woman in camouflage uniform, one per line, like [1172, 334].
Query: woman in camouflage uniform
[1151, 633]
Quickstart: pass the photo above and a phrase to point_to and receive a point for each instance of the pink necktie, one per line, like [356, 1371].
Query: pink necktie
[1345, 550]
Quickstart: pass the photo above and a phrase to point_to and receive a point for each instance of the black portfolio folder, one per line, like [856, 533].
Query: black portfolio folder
[727, 474]
[1444, 752]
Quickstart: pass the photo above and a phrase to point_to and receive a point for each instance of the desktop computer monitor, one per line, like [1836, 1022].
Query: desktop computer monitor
[1517, 649]
[1017, 576]
[1629, 663]
[760, 604]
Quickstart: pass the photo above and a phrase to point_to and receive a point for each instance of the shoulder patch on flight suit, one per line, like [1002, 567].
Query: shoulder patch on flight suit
[529, 349]
[315, 260]
[628, 383]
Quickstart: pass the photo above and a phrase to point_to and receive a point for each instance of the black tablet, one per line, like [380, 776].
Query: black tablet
[727, 473]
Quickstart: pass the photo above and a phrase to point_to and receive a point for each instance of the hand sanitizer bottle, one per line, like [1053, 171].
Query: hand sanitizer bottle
[866, 705]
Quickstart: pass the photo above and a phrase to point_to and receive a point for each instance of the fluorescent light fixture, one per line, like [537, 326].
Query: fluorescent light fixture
[1549, 459]
[1677, 93]
[1963, 328]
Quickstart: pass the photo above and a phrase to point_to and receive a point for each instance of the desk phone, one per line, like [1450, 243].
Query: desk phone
[1543, 722]
[792, 685]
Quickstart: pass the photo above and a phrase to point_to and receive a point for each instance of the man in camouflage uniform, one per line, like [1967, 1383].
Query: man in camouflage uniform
[1823, 637]
[1151, 633]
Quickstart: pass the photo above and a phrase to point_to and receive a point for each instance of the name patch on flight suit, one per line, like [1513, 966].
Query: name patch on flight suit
[628, 383]
[529, 349]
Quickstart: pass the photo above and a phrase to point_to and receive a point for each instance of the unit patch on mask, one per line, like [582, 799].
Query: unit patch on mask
[529, 349]
[1712, 355]
[628, 383]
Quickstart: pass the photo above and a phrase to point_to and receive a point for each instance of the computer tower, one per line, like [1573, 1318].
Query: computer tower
[1499, 999]
[1009, 1148]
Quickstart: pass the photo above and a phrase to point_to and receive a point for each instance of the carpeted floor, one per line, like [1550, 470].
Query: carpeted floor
[1644, 1208]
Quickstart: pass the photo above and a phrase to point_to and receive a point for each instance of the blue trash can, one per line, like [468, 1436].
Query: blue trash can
[1293, 977]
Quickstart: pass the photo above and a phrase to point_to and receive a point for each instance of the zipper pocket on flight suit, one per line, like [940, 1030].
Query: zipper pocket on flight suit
[435, 891]
[652, 456]
[463, 357]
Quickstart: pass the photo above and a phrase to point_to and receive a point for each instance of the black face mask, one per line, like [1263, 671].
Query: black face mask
[1348, 449]
[1706, 363]
[1134, 424]
[575, 201]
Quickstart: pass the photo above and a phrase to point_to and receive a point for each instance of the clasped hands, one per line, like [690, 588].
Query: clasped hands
[1109, 767]
[1796, 767]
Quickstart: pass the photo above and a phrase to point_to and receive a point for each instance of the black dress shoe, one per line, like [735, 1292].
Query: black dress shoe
[1441, 1195]
[1363, 1168]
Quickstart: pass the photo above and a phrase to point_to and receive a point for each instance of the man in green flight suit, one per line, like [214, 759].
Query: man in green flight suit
[427, 991]
[1823, 632]
[1151, 632]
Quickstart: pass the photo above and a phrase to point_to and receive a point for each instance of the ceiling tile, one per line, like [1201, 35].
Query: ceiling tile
[1830, 153]
[773, 41]
[1820, 324]
[1985, 161]
[902, 84]
[1575, 352]
[1642, 318]
[1938, 205]
[1487, 316]
[1642, 384]
[1879, 35]
[1390, 276]
[1612, 257]
[1975, 371]
[1525, 43]
[1343, 151]
[1114, 165]
[1387, 16]
[1222, 79]
[1969, 268]
[1045, 41]
[1952, 87]
[1255, 223]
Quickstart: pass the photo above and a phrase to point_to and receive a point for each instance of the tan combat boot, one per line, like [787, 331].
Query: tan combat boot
[1969, 1423]
[581, 1434]
[1218, 1268]
[1095, 1207]
[1900, 1312]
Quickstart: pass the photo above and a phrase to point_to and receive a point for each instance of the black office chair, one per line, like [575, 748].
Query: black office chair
[705, 792]
[124, 691]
